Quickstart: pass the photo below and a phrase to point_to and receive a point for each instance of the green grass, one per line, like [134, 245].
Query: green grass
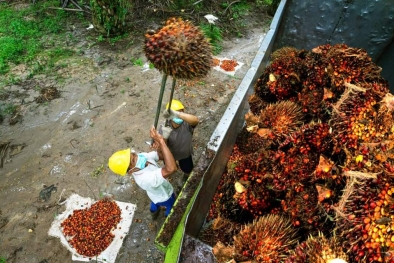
[8, 108]
[214, 35]
[2, 260]
[24, 32]
[137, 62]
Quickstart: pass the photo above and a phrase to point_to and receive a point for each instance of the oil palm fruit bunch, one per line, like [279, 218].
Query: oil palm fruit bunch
[354, 119]
[266, 239]
[318, 249]
[364, 213]
[252, 186]
[279, 119]
[224, 204]
[365, 220]
[179, 49]
[220, 230]
[347, 64]
[303, 205]
[282, 79]
[299, 154]
[312, 94]
[256, 104]
[250, 142]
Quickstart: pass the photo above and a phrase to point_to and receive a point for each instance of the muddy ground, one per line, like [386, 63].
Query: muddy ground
[106, 103]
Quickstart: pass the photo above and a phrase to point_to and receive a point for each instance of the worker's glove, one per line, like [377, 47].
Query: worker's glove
[171, 114]
[166, 132]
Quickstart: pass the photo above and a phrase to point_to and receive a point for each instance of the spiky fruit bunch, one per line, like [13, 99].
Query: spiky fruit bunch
[220, 230]
[312, 136]
[248, 142]
[365, 220]
[318, 249]
[179, 49]
[280, 119]
[304, 207]
[284, 53]
[354, 117]
[224, 204]
[298, 156]
[265, 240]
[254, 196]
[316, 73]
[256, 104]
[292, 167]
[282, 79]
[252, 185]
[347, 64]
[312, 94]
[311, 101]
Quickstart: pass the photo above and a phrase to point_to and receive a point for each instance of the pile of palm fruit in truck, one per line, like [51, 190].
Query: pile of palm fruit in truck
[310, 177]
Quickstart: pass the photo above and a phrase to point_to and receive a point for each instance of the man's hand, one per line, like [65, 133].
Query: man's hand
[166, 132]
[170, 114]
[155, 135]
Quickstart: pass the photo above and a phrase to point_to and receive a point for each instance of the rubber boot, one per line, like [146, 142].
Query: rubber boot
[155, 214]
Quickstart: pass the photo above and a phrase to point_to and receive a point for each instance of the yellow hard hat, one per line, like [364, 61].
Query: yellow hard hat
[175, 105]
[119, 162]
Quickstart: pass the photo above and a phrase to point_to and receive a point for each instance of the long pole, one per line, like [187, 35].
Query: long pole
[171, 95]
[172, 92]
[163, 85]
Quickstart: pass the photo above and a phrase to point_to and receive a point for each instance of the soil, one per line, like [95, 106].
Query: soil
[64, 132]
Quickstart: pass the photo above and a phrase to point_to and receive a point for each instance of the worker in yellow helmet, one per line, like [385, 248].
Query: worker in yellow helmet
[179, 135]
[147, 173]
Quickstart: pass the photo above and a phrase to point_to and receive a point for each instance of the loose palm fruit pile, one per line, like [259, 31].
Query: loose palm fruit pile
[317, 150]
[228, 65]
[179, 49]
[90, 229]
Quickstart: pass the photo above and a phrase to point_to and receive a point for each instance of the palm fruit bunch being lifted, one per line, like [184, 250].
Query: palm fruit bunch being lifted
[317, 149]
[179, 49]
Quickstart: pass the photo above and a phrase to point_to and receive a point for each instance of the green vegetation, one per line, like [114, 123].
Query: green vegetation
[108, 16]
[238, 9]
[137, 62]
[99, 170]
[2, 260]
[8, 108]
[23, 34]
[214, 35]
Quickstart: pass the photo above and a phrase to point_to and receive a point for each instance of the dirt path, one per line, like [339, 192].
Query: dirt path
[106, 104]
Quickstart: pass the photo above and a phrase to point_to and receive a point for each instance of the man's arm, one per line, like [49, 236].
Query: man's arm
[189, 118]
[169, 161]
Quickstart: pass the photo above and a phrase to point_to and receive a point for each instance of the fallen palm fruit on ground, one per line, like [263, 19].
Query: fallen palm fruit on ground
[90, 229]
[317, 150]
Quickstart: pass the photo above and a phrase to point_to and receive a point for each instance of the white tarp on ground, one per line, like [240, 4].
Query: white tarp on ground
[75, 202]
[232, 73]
